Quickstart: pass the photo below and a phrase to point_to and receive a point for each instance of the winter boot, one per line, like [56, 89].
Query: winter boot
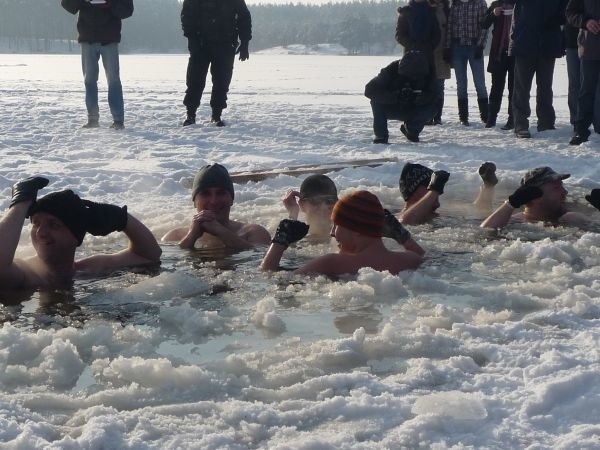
[190, 118]
[463, 111]
[216, 118]
[92, 123]
[493, 108]
[483, 109]
[510, 123]
[118, 125]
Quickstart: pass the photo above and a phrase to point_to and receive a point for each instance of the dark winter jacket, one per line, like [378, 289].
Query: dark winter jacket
[99, 22]
[407, 83]
[216, 21]
[536, 28]
[578, 13]
[417, 28]
[500, 32]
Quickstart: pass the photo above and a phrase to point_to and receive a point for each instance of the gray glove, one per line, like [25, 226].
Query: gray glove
[524, 195]
[392, 228]
[438, 180]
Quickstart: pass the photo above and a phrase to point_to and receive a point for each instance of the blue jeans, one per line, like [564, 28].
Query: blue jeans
[414, 117]
[90, 55]
[461, 55]
[574, 74]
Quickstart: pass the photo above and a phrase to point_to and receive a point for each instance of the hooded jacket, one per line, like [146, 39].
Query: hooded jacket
[406, 83]
[99, 22]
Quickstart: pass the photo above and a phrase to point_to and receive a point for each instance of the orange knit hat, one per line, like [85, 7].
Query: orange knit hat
[360, 211]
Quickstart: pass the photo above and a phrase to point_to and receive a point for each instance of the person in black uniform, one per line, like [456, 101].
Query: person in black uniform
[212, 28]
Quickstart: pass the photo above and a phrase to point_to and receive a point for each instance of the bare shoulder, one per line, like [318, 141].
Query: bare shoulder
[573, 219]
[407, 260]
[329, 264]
[176, 234]
[254, 233]
[21, 274]
[102, 263]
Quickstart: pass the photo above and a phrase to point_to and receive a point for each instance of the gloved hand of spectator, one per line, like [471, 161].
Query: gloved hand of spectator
[478, 53]
[487, 172]
[523, 195]
[438, 180]
[289, 231]
[243, 51]
[594, 198]
[103, 218]
[392, 228]
[447, 55]
[27, 189]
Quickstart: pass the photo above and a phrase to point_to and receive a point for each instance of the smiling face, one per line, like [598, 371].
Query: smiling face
[215, 199]
[52, 240]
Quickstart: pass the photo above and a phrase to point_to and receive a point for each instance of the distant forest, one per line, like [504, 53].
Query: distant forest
[362, 27]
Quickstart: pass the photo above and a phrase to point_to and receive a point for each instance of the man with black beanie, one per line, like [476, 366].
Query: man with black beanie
[212, 195]
[60, 221]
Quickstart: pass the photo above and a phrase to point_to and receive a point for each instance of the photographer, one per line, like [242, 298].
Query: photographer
[404, 90]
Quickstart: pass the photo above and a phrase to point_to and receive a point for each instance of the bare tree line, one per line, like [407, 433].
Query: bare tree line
[362, 27]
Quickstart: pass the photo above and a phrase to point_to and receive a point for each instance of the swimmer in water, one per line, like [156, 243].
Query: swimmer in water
[315, 200]
[212, 195]
[60, 221]
[421, 189]
[358, 224]
[542, 194]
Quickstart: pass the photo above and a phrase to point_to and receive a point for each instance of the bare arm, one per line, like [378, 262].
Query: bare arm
[11, 275]
[500, 217]
[420, 211]
[272, 258]
[143, 249]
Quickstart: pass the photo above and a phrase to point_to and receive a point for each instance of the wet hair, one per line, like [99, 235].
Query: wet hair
[359, 211]
[318, 189]
[67, 207]
[413, 176]
[212, 176]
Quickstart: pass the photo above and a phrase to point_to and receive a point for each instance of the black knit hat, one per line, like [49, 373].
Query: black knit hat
[413, 176]
[318, 187]
[67, 207]
[211, 176]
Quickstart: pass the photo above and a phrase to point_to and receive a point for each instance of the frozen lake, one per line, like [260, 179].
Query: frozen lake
[493, 343]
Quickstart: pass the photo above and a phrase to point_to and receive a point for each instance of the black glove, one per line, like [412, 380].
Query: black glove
[524, 195]
[27, 189]
[594, 198]
[289, 231]
[103, 219]
[447, 55]
[392, 228]
[487, 171]
[438, 180]
[478, 53]
[243, 51]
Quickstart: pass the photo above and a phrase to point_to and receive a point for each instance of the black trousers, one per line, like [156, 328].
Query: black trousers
[219, 57]
[590, 77]
[502, 69]
[543, 69]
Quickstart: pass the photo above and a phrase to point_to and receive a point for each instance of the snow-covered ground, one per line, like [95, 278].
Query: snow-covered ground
[493, 343]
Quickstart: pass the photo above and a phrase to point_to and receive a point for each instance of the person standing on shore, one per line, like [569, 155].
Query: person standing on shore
[99, 27]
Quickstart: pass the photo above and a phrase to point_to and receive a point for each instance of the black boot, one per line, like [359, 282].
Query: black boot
[483, 109]
[190, 118]
[510, 123]
[463, 111]
[493, 108]
[216, 118]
